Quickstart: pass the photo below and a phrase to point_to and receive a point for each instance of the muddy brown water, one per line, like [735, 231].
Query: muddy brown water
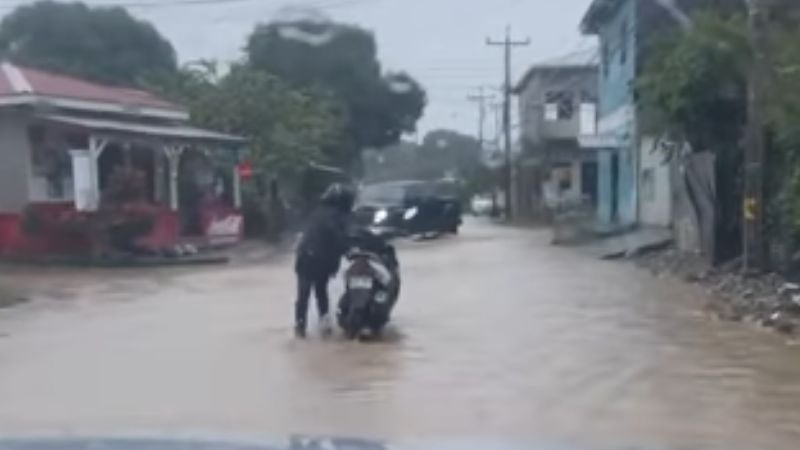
[497, 335]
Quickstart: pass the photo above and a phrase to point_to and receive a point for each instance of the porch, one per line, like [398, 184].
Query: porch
[182, 182]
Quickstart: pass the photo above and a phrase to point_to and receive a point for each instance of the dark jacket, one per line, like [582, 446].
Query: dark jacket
[323, 243]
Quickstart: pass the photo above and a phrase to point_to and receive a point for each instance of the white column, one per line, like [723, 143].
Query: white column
[237, 188]
[82, 179]
[173, 153]
[96, 147]
[158, 178]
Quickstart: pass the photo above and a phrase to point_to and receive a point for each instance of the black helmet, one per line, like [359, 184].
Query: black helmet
[339, 196]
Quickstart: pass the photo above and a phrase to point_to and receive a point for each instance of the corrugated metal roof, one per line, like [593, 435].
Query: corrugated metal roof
[19, 80]
[166, 131]
[585, 58]
[581, 58]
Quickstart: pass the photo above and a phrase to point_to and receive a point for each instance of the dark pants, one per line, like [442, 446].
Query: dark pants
[304, 286]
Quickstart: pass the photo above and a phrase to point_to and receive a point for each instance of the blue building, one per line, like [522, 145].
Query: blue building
[633, 184]
[614, 22]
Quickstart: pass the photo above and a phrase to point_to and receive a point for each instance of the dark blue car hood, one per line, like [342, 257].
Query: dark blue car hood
[294, 443]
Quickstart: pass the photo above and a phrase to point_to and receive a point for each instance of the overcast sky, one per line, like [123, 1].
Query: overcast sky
[440, 42]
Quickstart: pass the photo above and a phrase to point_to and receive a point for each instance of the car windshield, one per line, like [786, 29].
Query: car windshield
[382, 194]
[394, 193]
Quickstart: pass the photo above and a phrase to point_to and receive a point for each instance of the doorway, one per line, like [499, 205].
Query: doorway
[589, 181]
[615, 187]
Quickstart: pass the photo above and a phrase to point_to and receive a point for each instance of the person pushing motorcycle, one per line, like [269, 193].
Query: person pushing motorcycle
[322, 246]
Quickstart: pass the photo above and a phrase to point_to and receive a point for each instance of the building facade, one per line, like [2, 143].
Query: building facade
[634, 179]
[63, 141]
[558, 105]
[614, 22]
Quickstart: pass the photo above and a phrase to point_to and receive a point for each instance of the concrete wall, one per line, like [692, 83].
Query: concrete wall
[580, 81]
[655, 187]
[15, 167]
[570, 170]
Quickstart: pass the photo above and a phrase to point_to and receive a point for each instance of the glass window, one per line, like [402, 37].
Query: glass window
[50, 160]
[623, 42]
[559, 105]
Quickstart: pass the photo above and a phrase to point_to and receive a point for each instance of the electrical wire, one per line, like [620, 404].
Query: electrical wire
[137, 4]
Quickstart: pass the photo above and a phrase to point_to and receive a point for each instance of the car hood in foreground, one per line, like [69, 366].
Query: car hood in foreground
[295, 443]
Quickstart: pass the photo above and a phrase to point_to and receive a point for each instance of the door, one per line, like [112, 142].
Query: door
[615, 187]
[589, 181]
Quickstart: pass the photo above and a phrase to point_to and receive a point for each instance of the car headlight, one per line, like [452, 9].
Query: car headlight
[380, 216]
[410, 213]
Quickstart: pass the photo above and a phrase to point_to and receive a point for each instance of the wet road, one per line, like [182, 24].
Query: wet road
[497, 335]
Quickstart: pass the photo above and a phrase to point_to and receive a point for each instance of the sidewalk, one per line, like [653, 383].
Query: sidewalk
[630, 243]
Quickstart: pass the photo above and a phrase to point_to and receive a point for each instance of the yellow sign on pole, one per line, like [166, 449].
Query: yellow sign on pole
[750, 209]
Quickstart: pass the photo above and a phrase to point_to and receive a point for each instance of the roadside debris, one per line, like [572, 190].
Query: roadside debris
[9, 298]
[768, 300]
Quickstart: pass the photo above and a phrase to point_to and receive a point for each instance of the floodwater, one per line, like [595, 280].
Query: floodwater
[496, 335]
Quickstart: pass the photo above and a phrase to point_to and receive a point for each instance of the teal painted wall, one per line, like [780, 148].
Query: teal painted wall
[617, 75]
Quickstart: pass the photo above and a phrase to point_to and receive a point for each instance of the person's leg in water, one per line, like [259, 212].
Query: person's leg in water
[304, 285]
[323, 304]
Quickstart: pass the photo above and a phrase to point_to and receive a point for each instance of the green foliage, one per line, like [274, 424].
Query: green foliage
[341, 59]
[784, 115]
[442, 154]
[101, 44]
[287, 129]
[693, 87]
[452, 153]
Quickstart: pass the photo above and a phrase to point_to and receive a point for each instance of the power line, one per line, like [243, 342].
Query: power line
[143, 4]
[173, 3]
[480, 98]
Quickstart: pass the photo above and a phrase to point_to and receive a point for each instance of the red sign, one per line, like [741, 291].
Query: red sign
[245, 169]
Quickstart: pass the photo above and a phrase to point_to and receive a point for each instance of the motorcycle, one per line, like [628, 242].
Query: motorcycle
[372, 287]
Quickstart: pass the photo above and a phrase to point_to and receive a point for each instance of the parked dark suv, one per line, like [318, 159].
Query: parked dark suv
[403, 208]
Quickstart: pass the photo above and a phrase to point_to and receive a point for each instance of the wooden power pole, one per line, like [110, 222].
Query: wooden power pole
[507, 45]
[754, 247]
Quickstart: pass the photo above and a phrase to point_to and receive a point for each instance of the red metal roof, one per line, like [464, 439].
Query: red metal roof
[17, 80]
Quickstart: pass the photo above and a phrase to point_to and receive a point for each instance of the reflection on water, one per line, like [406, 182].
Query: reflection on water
[496, 335]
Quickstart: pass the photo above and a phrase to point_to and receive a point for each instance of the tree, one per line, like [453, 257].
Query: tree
[694, 89]
[442, 154]
[447, 153]
[288, 129]
[343, 60]
[101, 44]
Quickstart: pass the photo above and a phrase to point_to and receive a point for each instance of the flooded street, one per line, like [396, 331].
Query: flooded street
[496, 334]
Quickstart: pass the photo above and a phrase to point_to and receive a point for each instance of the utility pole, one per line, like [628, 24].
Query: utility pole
[753, 204]
[498, 123]
[480, 98]
[507, 45]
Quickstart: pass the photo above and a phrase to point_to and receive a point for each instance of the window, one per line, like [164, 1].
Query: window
[559, 105]
[50, 160]
[562, 177]
[605, 55]
[623, 42]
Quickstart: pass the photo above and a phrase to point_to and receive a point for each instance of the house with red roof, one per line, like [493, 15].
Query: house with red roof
[62, 138]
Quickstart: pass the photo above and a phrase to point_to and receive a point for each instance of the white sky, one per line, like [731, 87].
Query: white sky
[439, 42]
